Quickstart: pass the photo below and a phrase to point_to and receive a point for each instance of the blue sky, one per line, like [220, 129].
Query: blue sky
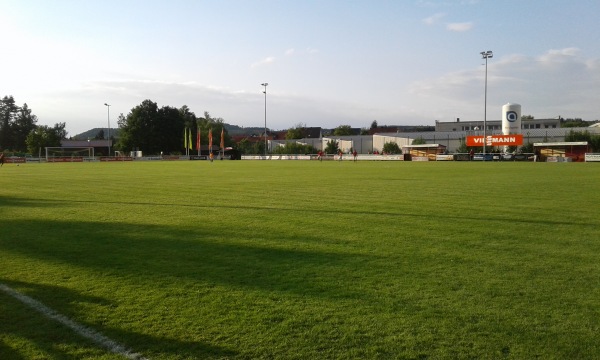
[328, 63]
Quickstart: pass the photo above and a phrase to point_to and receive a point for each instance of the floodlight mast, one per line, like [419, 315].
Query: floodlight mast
[485, 55]
[265, 92]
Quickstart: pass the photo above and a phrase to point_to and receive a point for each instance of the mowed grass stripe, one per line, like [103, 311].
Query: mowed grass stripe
[77, 328]
[246, 259]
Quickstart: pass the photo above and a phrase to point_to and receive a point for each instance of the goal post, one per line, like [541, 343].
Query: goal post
[69, 154]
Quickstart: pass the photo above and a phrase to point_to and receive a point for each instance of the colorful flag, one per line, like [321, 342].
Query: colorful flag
[210, 140]
[223, 140]
[190, 143]
[198, 139]
[185, 138]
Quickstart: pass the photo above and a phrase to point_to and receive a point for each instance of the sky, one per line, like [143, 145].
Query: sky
[327, 62]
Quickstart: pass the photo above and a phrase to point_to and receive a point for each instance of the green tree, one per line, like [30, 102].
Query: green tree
[294, 148]
[258, 148]
[527, 148]
[167, 134]
[137, 128]
[207, 123]
[99, 135]
[189, 118]
[374, 124]
[592, 139]
[152, 129]
[419, 141]
[576, 122]
[45, 136]
[343, 130]
[23, 124]
[244, 146]
[8, 113]
[296, 132]
[332, 147]
[391, 148]
[578, 136]
[462, 148]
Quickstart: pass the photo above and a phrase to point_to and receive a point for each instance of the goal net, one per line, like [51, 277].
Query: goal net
[68, 154]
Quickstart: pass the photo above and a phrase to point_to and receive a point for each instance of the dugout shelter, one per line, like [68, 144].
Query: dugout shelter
[422, 152]
[561, 151]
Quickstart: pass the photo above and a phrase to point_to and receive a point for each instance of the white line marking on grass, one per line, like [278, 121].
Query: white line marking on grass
[78, 328]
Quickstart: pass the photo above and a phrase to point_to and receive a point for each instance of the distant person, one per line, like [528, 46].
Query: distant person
[354, 154]
[211, 156]
[320, 155]
[1, 159]
[340, 154]
[471, 154]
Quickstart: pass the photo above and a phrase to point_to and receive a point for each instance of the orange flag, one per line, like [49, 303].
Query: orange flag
[198, 140]
[223, 139]
[210, 140]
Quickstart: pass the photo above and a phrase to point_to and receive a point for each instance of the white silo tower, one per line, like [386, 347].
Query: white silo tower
[511, 119]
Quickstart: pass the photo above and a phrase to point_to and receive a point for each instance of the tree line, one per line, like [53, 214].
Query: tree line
[153, 130]
[19, 131]
[146, 127]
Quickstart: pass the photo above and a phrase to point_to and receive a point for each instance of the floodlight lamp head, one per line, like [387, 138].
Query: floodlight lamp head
[106, 104]
[487, 54]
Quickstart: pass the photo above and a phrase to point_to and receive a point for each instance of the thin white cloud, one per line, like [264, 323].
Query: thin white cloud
[560, 55]
[556, 82]
[433, 19]
[266, 61]
[290, 52]
[438, 4]
[459, 27]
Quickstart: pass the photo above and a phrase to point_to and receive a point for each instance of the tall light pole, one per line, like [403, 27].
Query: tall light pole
[486, 55]
[265, 92]
[108, 137]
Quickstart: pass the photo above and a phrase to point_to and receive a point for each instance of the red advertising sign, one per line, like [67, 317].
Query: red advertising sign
[495, 140]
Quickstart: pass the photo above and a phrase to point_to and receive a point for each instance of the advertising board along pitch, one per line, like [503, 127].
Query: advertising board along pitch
[496, 140]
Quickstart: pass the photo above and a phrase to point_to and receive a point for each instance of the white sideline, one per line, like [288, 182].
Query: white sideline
[78, 328]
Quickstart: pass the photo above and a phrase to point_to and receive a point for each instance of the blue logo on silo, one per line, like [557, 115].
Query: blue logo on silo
[512, 116]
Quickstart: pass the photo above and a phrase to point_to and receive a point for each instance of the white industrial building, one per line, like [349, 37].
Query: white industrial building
[368, 144]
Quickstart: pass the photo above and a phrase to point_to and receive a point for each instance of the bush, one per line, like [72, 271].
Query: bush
[391, 148]
[294, 148]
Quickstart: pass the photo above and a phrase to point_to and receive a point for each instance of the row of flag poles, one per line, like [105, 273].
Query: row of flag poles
[188, 145]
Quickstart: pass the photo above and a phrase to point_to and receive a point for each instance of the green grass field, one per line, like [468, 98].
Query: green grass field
[303, 260]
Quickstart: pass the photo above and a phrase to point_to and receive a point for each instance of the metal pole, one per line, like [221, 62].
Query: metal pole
[485, 111]
[108, 136]
[485, 55]
[265, 92]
